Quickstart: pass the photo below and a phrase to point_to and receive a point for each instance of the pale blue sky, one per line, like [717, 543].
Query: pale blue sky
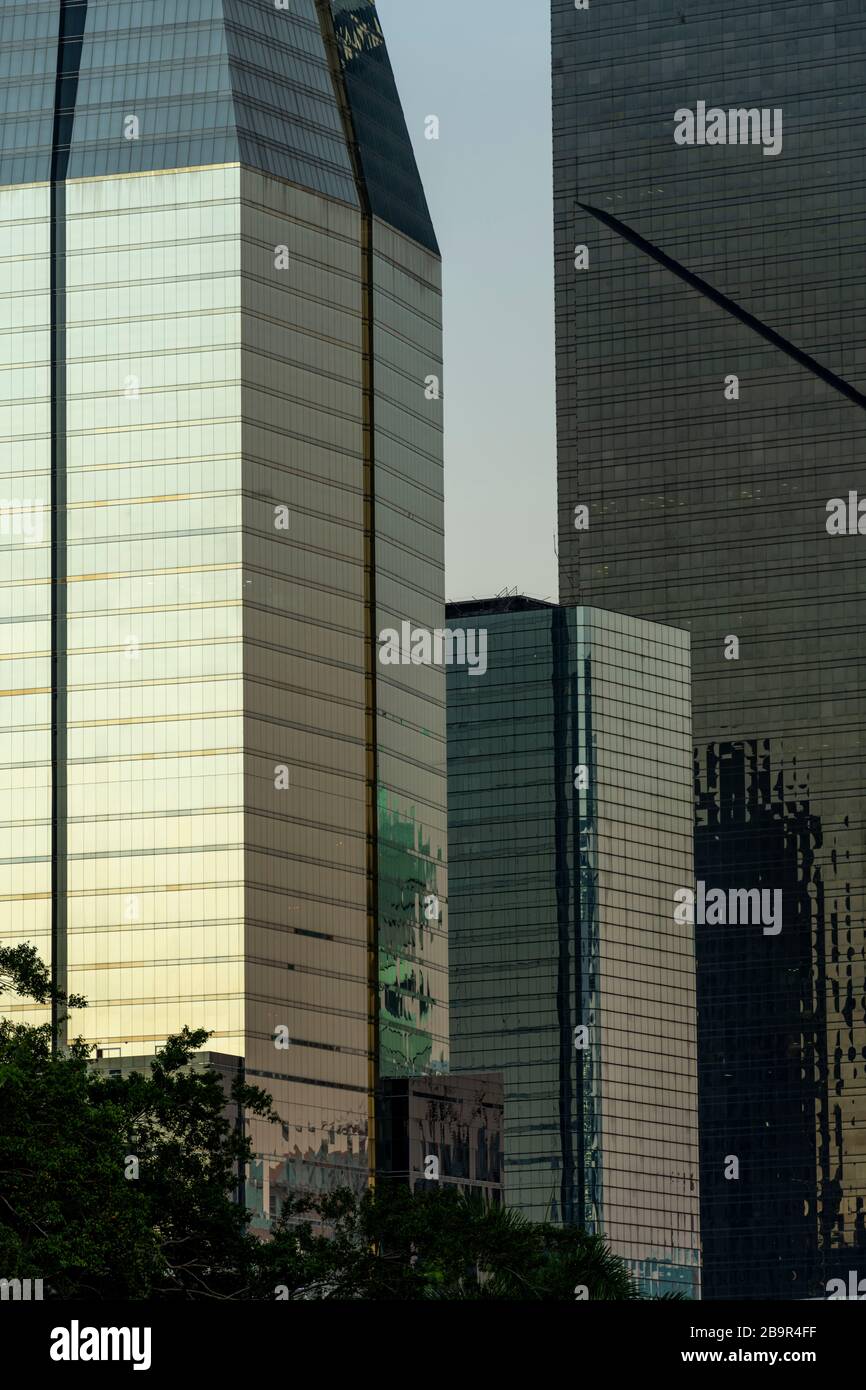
[483, 67]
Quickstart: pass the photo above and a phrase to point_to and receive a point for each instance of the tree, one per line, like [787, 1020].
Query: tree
[390, 1243]
[22, 972]
[75, 1211]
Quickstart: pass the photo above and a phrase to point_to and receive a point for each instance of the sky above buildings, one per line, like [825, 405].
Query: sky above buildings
[484, 70]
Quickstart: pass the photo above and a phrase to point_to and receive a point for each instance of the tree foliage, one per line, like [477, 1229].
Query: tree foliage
[390, 1243]
[75, 1211]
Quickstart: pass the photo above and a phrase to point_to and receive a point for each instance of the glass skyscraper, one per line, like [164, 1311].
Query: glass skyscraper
[570, 834]
[221, 451]
[709, 202]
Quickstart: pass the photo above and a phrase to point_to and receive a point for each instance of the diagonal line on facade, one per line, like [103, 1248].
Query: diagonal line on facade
[769, 335]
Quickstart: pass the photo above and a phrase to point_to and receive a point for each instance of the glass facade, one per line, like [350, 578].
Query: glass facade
[407, 560]
[444, 1131]
[710, 377]
[25, 557]
[206, 82]
[390, 173]
[570, 831]
[410, 700]
[222, 474]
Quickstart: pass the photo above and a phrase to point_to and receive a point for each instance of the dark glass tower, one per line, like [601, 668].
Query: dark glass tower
[222, 477]
[711, 376]
[570, 832]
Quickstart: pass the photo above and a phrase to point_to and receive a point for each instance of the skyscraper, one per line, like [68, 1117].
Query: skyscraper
[220, 441]
[570, 834]
[709, 195]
